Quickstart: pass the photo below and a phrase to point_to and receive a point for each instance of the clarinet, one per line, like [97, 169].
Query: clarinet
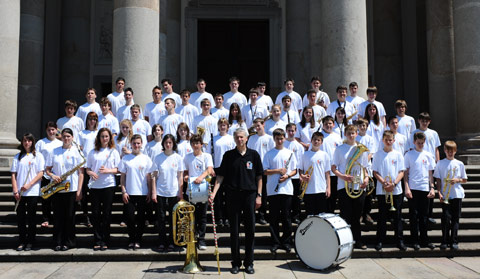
[286, 166]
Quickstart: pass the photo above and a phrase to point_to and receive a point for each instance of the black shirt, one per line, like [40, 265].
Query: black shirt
[239, 171]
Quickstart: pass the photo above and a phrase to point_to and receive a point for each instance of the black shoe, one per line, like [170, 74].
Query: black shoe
[454, 246]
[443, 246]
[65, 248]
[20, 247]
[296, 220]
[360, 245]
[428, 245]
[287, 248]
[379, 246]
[28, 247]
[249, 269]
[227, 223]
[262, 221]
[367, 219]
[432, 221]
[401, 246]
[234, 270]
[416, 247]
[220, 223]
[57, 248]
[274, 248]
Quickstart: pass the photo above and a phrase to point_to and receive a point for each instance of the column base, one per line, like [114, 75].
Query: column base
[8, 149]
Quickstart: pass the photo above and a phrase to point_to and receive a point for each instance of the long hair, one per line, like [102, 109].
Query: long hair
[93, 115]
[128, 123]
[303, 122]
[239, 114]
[341, 109]
[172, 138]
[183, 125]
[154, 127]
[23, 151]
[98, 139]
[376, 118]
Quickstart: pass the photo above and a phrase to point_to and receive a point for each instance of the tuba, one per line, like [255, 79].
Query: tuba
[183, 227]
[357, 171]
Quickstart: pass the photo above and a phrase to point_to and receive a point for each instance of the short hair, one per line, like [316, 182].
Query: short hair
[311, 91]
[172, 138]
[185, 91]
[105, 101]
[205, 101]
[223, 120]
[129, 89]
[240, 130]
[424, 116]
[353, 83]
[196, 139]
[450, 145]
[200, 80]
[98, 139]
[232, 79]
[419, 135]
[135, 106]
[253, 91]
[390, 119]
[68, 131]
[218, 95]
[169, 98]
[91, 89]
[51, 124]
[317, 135]
[289, 125]
[286, 97]
[287, 80]
[166, 80]
[93, 115]
[361, 121]
[278, 132]
[350, 128]
[400, 103]
[119, 79]
[156, 87]
[388, 133]
[71, 103]
[136, 136]
[341, 88]
[261, 83]
[327, 118]
[372, 89]
[315, 78]
[259, 120]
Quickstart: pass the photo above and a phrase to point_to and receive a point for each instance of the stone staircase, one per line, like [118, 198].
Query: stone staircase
[469, 235]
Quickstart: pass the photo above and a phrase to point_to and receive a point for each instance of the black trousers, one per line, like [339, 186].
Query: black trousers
[262, 211]
[164, 205]
[102, 200]
[220, 201]
[279, 211]
[418, 211]
[238, 202]
[351, 210]
[85, 194]
[26, 213]
[384, 212]
[332, 200]
[451, 220]
[46, 204]
[314, 203]
[201, 220]
[135, 223]
[295, 200]
[64, 219]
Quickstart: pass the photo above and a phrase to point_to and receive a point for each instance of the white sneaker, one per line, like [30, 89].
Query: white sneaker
[202, 246]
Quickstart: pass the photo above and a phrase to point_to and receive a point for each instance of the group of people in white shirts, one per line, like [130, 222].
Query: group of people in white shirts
[179, 138]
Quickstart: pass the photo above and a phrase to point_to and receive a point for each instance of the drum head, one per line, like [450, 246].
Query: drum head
[316, 243]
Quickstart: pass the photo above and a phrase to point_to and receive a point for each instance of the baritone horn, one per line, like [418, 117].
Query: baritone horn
[389, 195]
[357, 171]
[183, 227]
[447, 185]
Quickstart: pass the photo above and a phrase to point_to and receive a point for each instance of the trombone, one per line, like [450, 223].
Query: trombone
[389, 195]
[447, 184]
[304, 184]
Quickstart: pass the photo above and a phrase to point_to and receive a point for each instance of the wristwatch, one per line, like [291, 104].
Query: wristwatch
[259, 195]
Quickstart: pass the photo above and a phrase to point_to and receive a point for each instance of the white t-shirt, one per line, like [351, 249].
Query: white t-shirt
[219, 113]
[154, 112]
[62, 160]
[250, 113]
[136, 169]
[110, 122]
[201, 96]
[296, 104]
[349, 109]
[339, 129]
[86, 108]
[453, 169]
[388, 164]
[174, 96]
[419, 164]
[170, 123]
[120, 144]
[356, 102]
[376, 132]
[221, 144]
[188, 112]
[330, 143]
[305, 133]
[276, 159]
[184, 148]
[265, 101]
[235, 125]
[368, 142]
[87, 140]
[432, 141]
[153, 149]
[117, 100]
[320, 95]
[318, 113]
[75, 123]
[342, 155]
[297, 150]
[167, 178]
[109, 158]
[380, 108]
[142, 128]
[46, 146]
[290, 117]
[27, 168]
[230, 98]
[196, 165]
[123, 112]
[399, 144]
[271, 125]
[210, 124]
[194, 96]
[262, 144]
[406, 125]
[321, 165]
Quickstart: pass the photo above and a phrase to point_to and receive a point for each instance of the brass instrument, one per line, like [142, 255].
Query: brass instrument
[304, 184]
[357, 171]
[389, 195]
[370, 186]
[183, 227]
[54, 187]
[447, 185]
[286, 167]
[352, 115]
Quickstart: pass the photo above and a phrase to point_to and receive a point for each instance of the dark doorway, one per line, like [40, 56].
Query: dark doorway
[233, 48]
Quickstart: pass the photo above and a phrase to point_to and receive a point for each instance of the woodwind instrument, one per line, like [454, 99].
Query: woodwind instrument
[389, 195]
[304, 184]
[286, 167]
[448, 184]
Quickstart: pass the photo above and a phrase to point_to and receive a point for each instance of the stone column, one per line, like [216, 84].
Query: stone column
[9, 45]
[136, 46]
[298, 54]
[30, 72]
[162, 54]
[344, 50]
[441, 66]
[466, 19]
[315, 40]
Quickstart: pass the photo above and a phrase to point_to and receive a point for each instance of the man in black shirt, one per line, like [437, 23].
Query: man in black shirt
[241, 174]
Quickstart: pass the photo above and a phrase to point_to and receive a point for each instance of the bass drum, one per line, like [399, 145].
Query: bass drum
[197, 193]
[323, 241]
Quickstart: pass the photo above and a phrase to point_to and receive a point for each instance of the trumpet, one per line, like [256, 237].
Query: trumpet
[304, 184]
[447, 184]
[389, 195]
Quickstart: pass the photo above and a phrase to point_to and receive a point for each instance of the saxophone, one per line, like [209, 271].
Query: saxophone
[54, 187]
[358, 172]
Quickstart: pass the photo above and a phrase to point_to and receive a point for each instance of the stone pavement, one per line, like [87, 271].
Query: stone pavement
[460, 267]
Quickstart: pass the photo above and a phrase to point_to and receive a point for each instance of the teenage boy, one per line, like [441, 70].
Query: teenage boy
[155, 109]
[350, 209]
[296, 100]
[90, 105]
[388, 168]
[168, 91]
[171, 120]
[219, 111]
[369, 142]
[450, 171]
[289, 115]
[372, 93]
[106, 119]
[354, 98]
[280, 165]
[234, 96]
[207, 122]
[292, 144]
[341, 102]
[400, 140]
[331, 141]
[116, 97]
[253, 110]
[406, 123]
[140, 126]
[187, 110]
[318, 111]
[419, 188]
[70, 120]
[263, 100]
[322, 98]
[201, 94]
[124, 111]
[197, 166]
[318, 179]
